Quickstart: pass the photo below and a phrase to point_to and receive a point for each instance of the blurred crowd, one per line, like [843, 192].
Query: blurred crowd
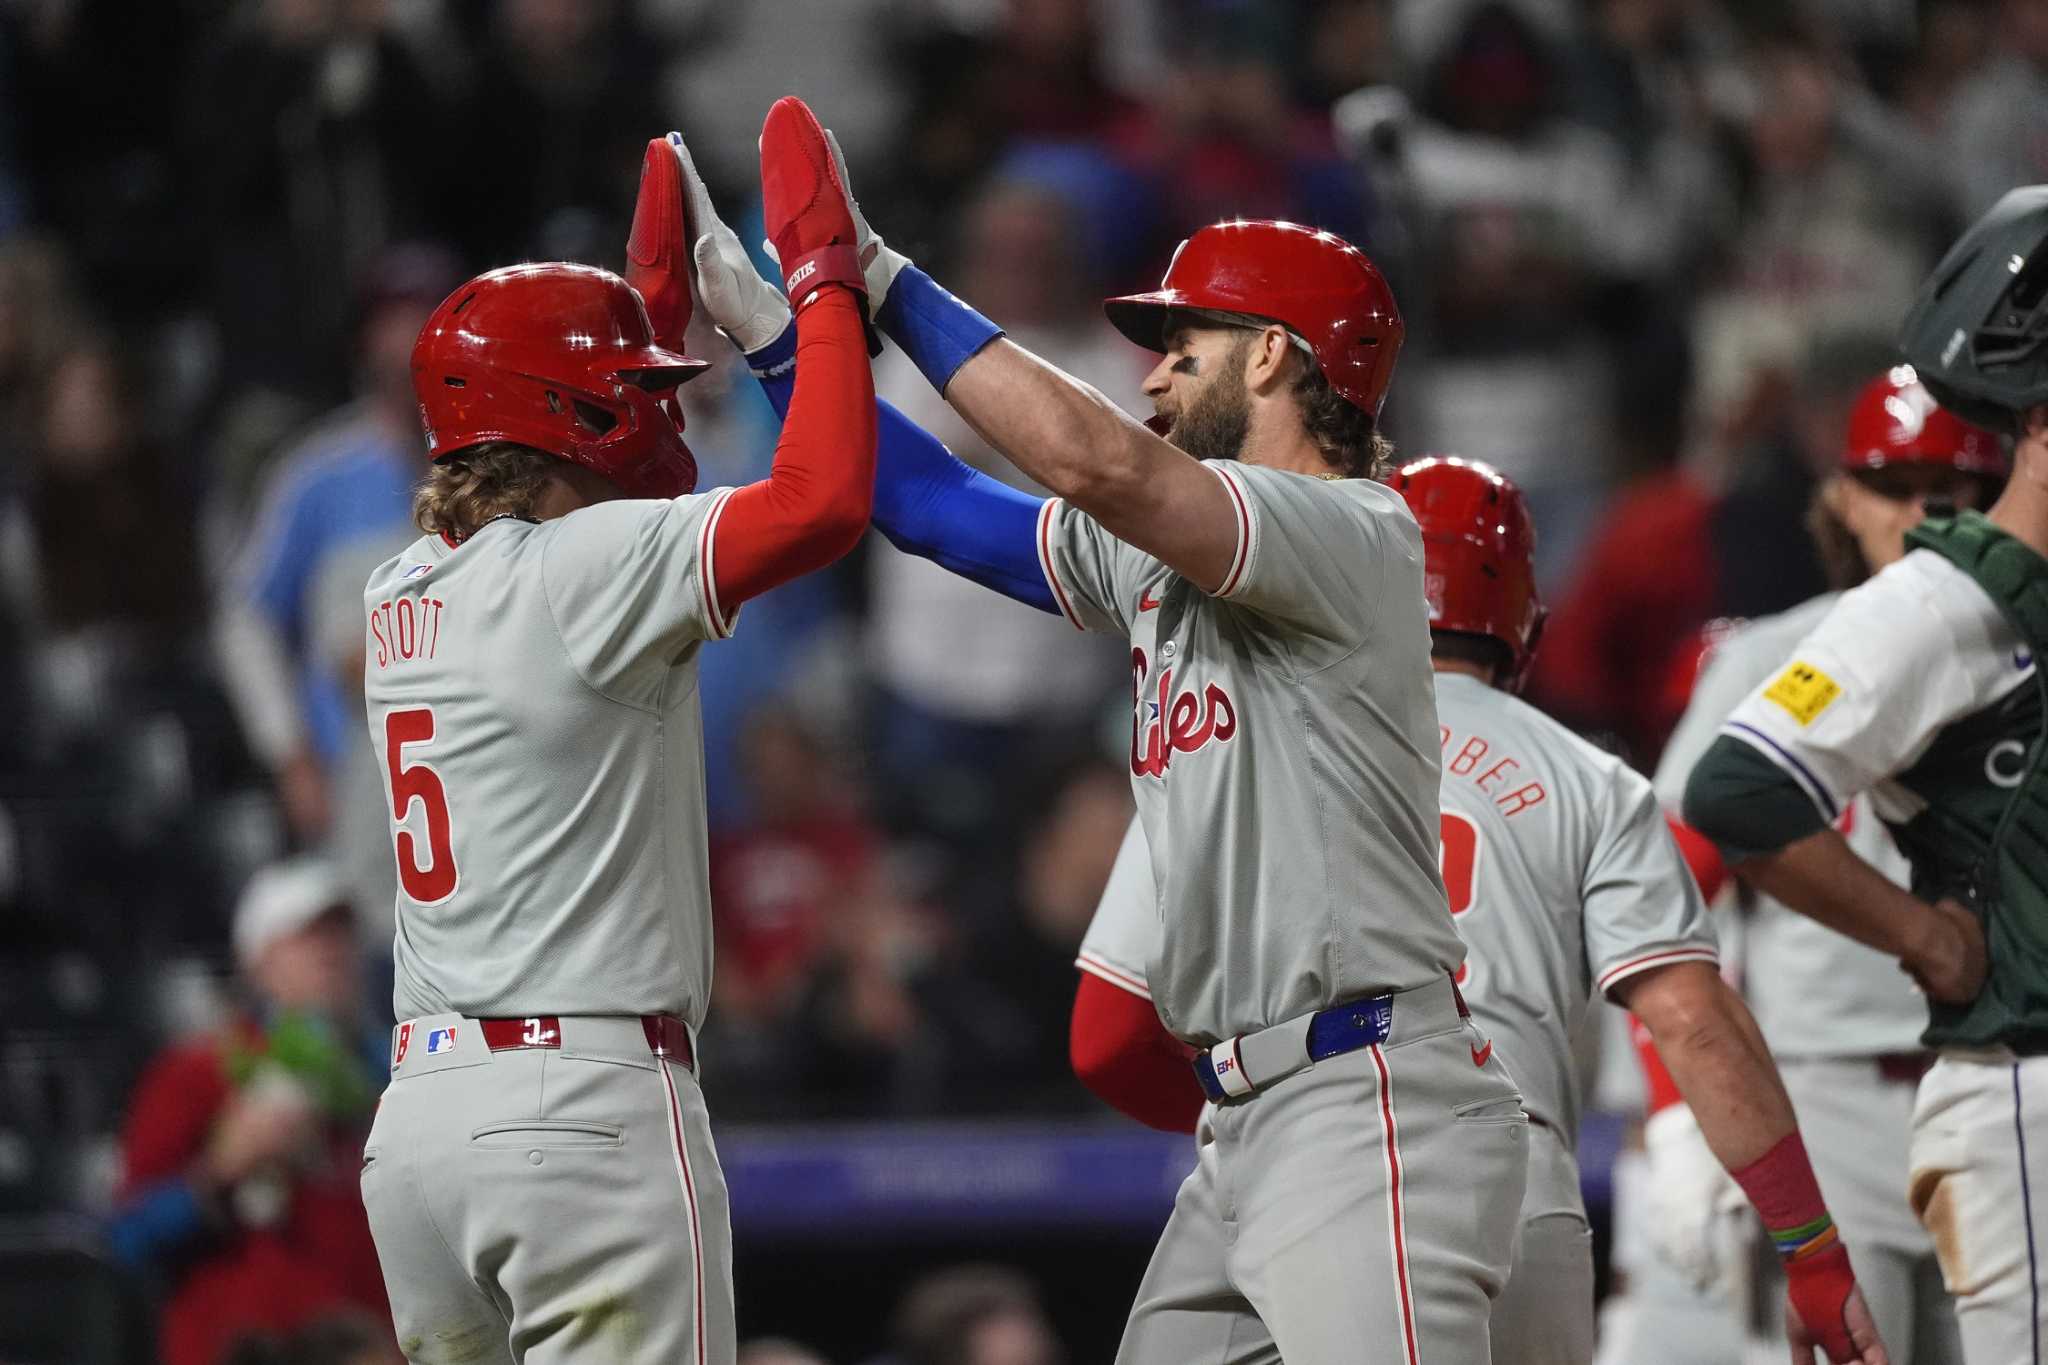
[1646, 249]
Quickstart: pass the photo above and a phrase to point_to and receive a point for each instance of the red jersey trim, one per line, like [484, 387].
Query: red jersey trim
[1397, 1229]
[1052, 578]
[1114, 975]
[1234, 579]
[707, 573]
[1620, 972]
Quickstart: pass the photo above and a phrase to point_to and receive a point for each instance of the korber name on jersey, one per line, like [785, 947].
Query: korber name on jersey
[1499, 780]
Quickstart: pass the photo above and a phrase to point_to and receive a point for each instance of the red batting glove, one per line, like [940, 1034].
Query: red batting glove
[1824, 1301]
[658, 248]
[805, 206]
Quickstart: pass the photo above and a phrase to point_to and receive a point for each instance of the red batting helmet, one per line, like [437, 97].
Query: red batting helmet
[1477, 547]
[1320, 286]
[1896, 421]
[561, 358]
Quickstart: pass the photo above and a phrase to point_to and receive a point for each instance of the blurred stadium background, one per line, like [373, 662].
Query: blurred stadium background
[1645, 249]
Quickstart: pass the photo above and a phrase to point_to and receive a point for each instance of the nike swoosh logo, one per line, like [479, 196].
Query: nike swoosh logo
[1480, 1055]
[1146, 601]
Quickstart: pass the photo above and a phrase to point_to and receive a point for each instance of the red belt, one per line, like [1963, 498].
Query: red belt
[1903, 1068]
[667, 1036]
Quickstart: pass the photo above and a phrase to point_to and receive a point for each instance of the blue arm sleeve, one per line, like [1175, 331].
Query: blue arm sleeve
[157, 1222]
[928, 503]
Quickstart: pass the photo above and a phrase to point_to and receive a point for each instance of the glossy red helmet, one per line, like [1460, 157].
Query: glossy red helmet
[1896, 421]
[561, 358]
[1321, 287]
[1478, 547]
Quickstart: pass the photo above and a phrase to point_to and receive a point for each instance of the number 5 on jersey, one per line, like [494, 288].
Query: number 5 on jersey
[435, 882]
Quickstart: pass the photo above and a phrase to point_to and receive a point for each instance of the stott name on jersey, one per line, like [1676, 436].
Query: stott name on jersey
[405, 628]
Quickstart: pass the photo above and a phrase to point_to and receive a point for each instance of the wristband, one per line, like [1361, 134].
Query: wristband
[1780, 1184]
[936, 330]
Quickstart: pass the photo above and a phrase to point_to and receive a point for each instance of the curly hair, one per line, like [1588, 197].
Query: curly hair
[1348, 436]
[468, 488]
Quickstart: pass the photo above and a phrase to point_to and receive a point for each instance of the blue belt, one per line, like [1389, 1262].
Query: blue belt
[1241, 1066]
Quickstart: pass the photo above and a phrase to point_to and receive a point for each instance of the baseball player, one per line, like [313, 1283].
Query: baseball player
[1842, 1021]
[1565, 886]
[541, 1180]
[1919, 688]
[1283, 757]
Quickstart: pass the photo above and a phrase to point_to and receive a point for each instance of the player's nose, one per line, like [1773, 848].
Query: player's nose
[1157, 382]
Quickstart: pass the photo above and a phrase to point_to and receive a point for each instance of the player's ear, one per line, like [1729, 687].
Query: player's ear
[1267, 368]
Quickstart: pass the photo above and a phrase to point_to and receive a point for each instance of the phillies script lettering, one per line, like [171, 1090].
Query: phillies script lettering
[1166, 722]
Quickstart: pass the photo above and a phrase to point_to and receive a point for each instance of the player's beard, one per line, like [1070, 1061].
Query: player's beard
[1215, 424]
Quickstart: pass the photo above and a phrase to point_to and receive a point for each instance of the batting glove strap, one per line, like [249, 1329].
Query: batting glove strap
[803, 277]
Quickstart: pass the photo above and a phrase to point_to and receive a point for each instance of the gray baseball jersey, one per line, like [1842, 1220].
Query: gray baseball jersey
[532, 696]
[1562, 876]
[1815, 993]
[1283, 751]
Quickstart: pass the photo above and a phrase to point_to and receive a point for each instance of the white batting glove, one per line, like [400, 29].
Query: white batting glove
[748, 309]
[879, 262]
[1698, 1219]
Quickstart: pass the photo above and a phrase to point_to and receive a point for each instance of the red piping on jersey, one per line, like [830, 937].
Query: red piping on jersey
[1114, 975]
[675, 1114]
[707, 573]
[1052, 577]
[1630, 968]
[1121, 1051]
[1244, 535]
[813, 506]
[1391, 1134]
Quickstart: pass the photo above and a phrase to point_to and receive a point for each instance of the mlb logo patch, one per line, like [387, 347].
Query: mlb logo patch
[418, 571]
[440, 1040]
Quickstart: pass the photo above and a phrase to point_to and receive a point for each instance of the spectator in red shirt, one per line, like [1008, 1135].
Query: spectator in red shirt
[775, 880]
[241, 1150]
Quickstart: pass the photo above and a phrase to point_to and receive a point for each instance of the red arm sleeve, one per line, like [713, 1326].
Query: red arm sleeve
[1702, 859]
[813, 507]
[1124, 1054]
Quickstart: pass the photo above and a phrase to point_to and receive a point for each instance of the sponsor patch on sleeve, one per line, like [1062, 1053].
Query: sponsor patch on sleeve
[1804, 691]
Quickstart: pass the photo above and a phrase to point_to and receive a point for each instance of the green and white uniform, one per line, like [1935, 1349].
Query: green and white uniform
[1916, 690]
[1842, 1021]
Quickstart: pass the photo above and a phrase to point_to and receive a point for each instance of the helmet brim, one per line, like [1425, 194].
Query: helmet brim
[665, 368]
[1142, 317]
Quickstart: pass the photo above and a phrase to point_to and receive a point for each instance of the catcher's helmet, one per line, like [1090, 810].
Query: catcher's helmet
[1477, 549]
[561, 358]
[1896, 421]
[1315, 283]
[1978, 332]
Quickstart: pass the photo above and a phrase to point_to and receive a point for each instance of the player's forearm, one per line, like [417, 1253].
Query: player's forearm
[1823, 878]
[813, 507]
[929, 503]
[1710, 1044]
[1122, 1053]
[1058, 430]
